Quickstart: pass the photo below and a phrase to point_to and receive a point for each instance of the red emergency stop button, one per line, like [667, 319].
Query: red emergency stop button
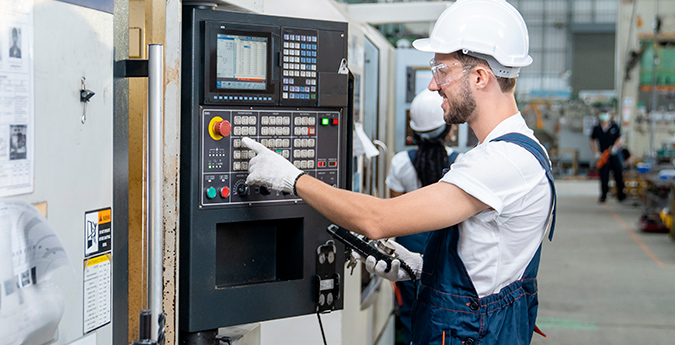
[222, 128]
[224, 192]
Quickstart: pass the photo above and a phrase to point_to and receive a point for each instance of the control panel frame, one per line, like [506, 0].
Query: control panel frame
[275, 235]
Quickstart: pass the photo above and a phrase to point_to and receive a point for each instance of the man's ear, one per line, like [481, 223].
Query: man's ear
[482, 76]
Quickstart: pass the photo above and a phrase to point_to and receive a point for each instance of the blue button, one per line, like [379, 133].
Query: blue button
[215, 97]
[303, 53]
[314, 53]
[303, 46]
[302, 60]
[313, 60]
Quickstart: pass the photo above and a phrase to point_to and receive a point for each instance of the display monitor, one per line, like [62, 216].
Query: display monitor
[241, 62]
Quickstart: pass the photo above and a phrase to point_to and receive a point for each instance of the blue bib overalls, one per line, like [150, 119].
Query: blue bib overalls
[448, 310]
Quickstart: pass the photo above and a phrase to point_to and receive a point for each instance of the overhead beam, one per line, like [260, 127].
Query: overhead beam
[399, 12]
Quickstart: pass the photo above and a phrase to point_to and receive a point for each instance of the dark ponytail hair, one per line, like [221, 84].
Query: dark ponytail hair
[431, 157]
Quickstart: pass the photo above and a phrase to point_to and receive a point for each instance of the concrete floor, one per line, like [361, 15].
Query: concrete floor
[601, 280]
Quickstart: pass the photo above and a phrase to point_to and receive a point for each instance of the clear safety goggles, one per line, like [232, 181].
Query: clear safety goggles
[441, 72]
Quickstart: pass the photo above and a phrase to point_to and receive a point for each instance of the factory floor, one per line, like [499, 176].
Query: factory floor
[601, 280]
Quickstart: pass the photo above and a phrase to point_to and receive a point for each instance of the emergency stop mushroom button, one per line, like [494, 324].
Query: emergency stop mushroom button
[222, 128]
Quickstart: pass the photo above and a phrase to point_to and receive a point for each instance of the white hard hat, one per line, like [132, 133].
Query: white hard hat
[425, 111]
[488, 29]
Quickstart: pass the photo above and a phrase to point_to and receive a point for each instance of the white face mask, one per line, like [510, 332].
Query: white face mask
[604, 117]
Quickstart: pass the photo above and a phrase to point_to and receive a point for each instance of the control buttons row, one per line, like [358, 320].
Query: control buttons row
[303, 154]
[298, 45]
[275, 120]
[300, 66]
[245, 120]
[243, 154]
[304, 164]
[244, 131]
[212, 192]
[275, 131]
[276, 143]
[302, 38]
[240, 166]
[304, 130]
[304, 121]
[304, 74]
[295, 59]
[303, 142]
[300, 88]
[298, 52]
[287, 95]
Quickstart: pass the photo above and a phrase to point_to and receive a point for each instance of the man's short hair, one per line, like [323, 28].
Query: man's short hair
[505, 84]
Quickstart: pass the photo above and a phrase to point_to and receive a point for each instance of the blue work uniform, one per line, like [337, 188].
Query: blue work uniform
[414, 243]
[448, 309]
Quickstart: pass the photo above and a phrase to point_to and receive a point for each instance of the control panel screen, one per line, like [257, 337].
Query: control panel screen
[241, 62]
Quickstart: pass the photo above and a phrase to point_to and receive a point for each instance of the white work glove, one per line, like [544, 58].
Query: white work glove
[270, 169]
[396, 273]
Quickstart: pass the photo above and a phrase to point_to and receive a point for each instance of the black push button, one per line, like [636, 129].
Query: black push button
[473, 305]
[469, 341]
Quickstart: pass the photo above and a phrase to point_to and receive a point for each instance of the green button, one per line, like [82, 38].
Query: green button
[313, 96]
[324, 122]
[211, 193]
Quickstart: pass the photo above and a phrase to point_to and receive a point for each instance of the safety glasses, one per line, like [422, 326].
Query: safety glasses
[442, 72]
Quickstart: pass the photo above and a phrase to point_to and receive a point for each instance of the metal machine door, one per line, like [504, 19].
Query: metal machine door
[375, 167]
[66, 109]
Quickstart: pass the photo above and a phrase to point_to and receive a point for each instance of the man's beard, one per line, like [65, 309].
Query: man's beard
[462, 110]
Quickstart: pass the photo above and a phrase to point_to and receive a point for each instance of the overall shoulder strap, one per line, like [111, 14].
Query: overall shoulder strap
[533, 147]
[452, 157]
[411, 154]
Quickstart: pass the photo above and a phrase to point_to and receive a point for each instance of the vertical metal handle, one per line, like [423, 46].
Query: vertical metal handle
[155, 228]
[381, 170]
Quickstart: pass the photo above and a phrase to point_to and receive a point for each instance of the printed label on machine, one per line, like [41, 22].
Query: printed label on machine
[97, 232]
[96, 292]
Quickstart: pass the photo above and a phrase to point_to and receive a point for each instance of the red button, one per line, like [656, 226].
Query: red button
[224, 192]
[312, 130]
[336, 121]
[223, 128]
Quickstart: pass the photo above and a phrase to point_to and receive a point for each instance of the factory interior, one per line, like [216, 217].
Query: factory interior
[126, 218]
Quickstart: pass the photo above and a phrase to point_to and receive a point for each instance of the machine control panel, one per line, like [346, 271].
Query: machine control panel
[308, 138]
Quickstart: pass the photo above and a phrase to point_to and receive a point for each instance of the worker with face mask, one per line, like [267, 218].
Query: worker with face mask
[487, 216]
[416, 168]
[606, 147]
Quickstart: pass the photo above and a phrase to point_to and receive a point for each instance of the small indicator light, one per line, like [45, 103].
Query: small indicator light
[324, 122]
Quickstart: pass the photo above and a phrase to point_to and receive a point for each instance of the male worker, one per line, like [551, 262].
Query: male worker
[416, 168]
[606, 139]
[478, 272]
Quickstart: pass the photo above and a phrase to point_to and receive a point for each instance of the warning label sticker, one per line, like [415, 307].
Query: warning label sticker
[97, 232]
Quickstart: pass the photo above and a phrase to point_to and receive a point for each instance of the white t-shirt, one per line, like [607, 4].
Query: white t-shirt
[497, 244]
[402, 176]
